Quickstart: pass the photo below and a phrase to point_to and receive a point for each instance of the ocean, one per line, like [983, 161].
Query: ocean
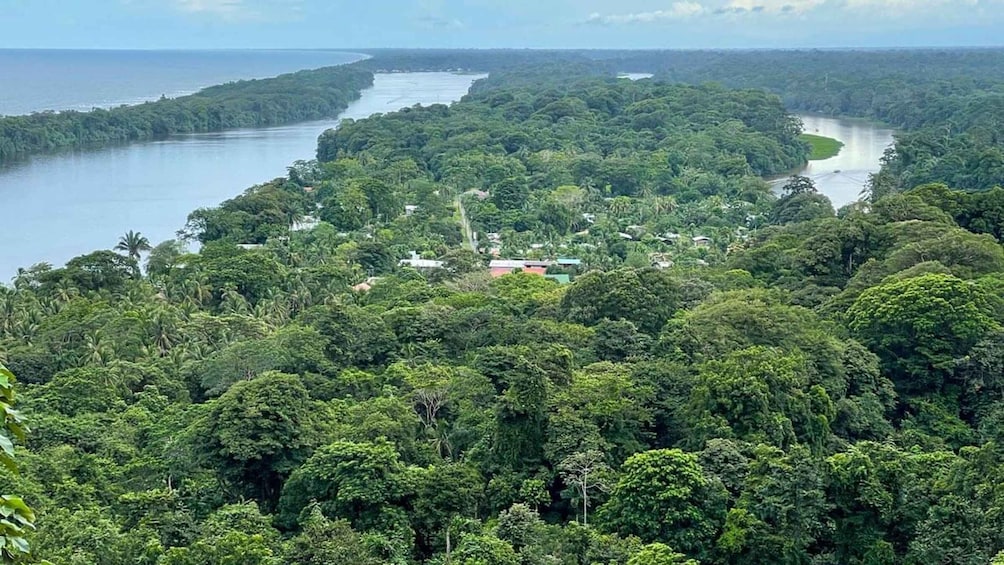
[35, 80]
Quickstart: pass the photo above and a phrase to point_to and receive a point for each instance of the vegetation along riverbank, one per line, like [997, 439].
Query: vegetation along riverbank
[294, 97]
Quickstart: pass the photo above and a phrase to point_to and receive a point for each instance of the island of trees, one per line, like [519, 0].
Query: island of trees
[563, 321]
[294, 97]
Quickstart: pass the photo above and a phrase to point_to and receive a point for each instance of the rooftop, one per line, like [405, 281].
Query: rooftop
[421, 263]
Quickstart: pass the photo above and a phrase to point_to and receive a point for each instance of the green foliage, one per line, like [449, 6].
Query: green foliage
[781, 512]
[822, 147]
[301, 96]
[646, 297]
[324, 541]
[359, 482]
[133, 244]
[258, 432]
[659, 554]
[835, 379]
[16, 518]
[233, 534]
[919, 325]
[760, 396]
[485, 550]
[664, 495]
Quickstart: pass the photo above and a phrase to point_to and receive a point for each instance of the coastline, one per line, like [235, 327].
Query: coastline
[248, 64]
[288, 98]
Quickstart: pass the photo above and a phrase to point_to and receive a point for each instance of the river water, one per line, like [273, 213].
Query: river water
[56, 207]
[842, 178]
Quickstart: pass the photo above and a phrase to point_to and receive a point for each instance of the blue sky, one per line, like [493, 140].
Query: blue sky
[498, 23]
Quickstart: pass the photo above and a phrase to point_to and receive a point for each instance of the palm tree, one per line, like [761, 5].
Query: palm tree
[65, 291]
[198, 290]
[233, 302]
[133, 243]
[96, 349]
[164, 331]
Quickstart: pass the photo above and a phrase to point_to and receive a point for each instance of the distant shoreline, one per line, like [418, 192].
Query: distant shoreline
[120, 80]
[292, 97]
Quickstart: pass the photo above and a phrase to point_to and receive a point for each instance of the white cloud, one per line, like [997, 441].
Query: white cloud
[677, 11]
[691, 8]
[773, 6]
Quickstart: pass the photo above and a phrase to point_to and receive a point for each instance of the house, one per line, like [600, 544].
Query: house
[560, 279]
[306, 223]
[568, 262]
[625, 235]
[365, 285]
[251, 246]
[500, 267]
[410, 209]
[702, 241]
[591, 218]
[417, 262]
[661, 260]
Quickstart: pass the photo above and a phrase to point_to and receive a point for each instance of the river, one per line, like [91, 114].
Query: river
[56, 207]
[842, 178]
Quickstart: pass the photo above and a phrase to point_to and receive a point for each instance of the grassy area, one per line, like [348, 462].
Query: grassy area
[822, 147]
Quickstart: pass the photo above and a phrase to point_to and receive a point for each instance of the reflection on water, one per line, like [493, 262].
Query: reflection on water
[842, 178]
[60, 206]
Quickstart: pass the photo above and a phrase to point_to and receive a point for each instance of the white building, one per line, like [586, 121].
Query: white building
[417, 262]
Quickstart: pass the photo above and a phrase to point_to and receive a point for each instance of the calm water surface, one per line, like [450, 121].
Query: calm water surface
[842, 178]
[60, 206]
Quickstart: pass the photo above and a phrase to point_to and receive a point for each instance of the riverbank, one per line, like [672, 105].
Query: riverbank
[294, 97]
[843, 177]
[74, 202]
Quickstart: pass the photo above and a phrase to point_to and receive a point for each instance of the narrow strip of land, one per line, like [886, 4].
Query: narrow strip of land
[822, 147]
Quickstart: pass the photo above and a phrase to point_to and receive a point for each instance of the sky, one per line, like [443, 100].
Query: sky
[200, 24]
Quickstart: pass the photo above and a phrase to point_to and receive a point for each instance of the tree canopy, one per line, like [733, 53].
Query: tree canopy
[564, 321]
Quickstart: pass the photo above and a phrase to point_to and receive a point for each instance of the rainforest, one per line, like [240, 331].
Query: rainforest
[567, 320]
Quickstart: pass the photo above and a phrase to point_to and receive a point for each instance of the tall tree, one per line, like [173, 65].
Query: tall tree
[257, 432]
[664, 495]
[133, 244]
[919, 327]
[585, 472]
